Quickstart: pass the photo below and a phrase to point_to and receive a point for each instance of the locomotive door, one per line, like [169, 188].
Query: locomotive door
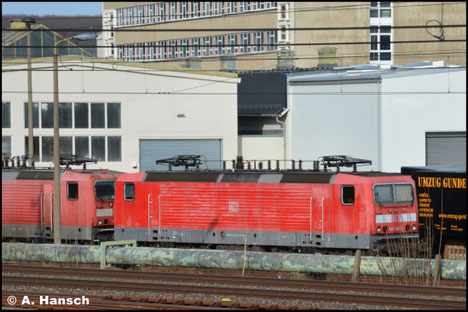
[154, 216]
[47, 209]
[319, 218]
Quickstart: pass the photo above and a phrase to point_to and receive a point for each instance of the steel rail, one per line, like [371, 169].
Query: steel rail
[231, 291]
[236, 280]
[122, 302]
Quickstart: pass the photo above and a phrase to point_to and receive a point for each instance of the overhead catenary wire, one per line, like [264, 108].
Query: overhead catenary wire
[266, 44]
[194, 29]
[236, 94]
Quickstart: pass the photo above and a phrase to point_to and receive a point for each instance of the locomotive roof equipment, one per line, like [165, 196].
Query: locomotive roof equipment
[76, 160]
[181, 160]
[343, 161]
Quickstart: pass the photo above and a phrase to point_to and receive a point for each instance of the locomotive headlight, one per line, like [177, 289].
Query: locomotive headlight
[413, 227]
[379, 229]
[99, 221]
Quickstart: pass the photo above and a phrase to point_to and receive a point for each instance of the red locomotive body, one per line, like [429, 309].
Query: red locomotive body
[287, 209]
[87, 198]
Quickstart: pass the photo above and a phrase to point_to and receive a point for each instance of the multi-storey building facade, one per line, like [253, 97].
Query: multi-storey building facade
[263, 35]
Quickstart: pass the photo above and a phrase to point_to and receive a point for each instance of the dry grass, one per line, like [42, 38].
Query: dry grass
[409, 261]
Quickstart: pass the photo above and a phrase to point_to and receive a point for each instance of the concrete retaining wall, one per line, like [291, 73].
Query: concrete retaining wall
[227, 259]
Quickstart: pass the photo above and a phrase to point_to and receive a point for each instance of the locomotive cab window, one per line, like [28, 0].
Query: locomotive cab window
[104, 190]
[72, 190]
[394, 194]
[347, 195]
[129, 191]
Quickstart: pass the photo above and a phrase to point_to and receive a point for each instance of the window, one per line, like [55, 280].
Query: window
[283, 33]
[97, 115]
[271, 40]
[283, 11]
[183, 10]
[219, 45]
[232, 44]
[98, 148]
[35, 107]
[194, 46]
[386, 13]
[393, 194]
[81, 115]
[82, 146]
[384, 42]
[140, 14]
[47, 148]
[245, 41]
[65, 115]
[47, 115]
[114, 151]
[172, 11]
[241, 7]
[113, 115]
[161, 12]
[129, 191]
[104, 190]
[119, 17]
[184, 50]
[207, 9]
[6, 146]
[229, 7]
[152, 51]
[208, 47]
[35, 147]
[172, 53]
[404, 194]
[152, 18]
[259, 41]
[381, 32]
[6, 118]
[347, 195]
[72, 191]
[65, 146]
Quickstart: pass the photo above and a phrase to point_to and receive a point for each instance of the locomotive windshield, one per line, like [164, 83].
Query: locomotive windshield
[104, 190]
[393, 194]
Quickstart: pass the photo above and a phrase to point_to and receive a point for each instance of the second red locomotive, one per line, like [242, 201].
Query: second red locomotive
[290, 209]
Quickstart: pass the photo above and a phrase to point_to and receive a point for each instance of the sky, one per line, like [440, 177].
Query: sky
[52, 8]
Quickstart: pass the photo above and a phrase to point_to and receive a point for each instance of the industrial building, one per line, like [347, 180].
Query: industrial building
[411, 115]
[126, 116]
[241, 36]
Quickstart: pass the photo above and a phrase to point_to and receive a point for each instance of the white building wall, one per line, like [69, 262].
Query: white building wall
[261, 148]
[150, 102]
[325, 120]
[414, 105]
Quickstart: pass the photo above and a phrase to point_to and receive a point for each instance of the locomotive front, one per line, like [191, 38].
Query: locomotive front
[396, 214]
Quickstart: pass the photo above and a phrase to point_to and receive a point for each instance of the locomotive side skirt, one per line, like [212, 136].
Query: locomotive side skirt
[260, 238]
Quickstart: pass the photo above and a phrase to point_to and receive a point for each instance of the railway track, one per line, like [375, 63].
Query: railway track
[151, 282]
[130, 303]
[236, 280]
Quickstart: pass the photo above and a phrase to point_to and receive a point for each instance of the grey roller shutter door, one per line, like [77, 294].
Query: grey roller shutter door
[446, 148]
[152, 150]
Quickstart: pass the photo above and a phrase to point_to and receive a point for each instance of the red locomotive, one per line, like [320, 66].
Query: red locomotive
[87, 198]
[285, 209]
[292, 209]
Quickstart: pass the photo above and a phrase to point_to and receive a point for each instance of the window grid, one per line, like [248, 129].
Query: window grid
[255, 42]
[179, 11]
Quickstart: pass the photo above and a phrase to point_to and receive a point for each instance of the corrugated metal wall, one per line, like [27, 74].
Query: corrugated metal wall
[446, 148]
[152, 150]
